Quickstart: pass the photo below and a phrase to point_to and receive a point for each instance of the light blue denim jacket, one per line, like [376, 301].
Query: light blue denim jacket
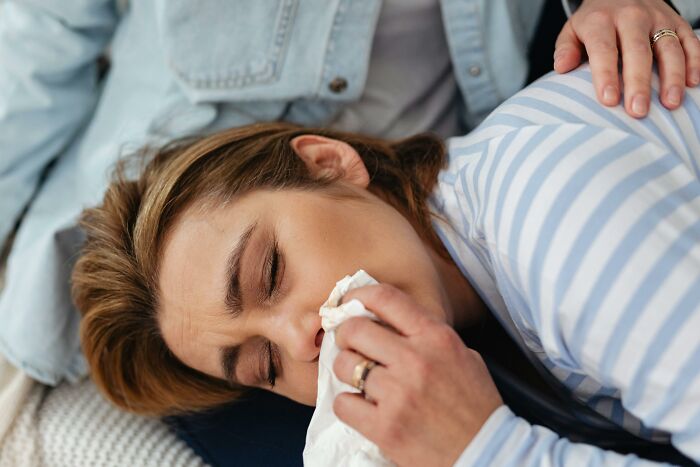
[179, 67]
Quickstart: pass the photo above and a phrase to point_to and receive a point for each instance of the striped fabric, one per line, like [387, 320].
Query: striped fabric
[580, 227]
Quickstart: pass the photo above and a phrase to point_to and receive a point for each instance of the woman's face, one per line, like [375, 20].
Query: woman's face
[252, 274]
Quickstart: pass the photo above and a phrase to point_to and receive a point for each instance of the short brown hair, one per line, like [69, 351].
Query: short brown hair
[115, 278]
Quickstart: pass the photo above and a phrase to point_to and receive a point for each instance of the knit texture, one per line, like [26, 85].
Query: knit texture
[74, 426]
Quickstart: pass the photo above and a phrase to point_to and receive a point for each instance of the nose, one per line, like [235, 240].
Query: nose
[300, 334]
[319, 338]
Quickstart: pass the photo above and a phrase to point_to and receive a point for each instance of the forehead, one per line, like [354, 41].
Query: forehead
[193, 277]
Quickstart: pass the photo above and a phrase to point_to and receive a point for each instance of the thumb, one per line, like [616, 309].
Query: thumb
[568, 49]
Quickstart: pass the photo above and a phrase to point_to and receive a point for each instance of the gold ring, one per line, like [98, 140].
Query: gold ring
[662, 33]
[360, 373]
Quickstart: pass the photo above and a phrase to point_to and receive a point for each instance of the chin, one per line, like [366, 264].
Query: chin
[305, 400]
[305, 395]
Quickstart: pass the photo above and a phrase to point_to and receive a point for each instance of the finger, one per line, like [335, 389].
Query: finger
[567, 50]
[356, 411]
[376, 382]
[369, 338]
[671, 59]
[392, 306]
[601, 46]
[636, 65]
[691, 47]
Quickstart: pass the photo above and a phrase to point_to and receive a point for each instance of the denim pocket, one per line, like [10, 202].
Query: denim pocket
[225, 45]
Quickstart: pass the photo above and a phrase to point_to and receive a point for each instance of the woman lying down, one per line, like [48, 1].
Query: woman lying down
[576, 225]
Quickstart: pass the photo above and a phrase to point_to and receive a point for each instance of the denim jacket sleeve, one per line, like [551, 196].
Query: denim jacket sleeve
[48, 86]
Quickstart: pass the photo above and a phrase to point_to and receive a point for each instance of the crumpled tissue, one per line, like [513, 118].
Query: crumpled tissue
[329, 441]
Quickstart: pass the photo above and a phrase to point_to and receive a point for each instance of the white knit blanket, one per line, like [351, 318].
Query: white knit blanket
[74, 426]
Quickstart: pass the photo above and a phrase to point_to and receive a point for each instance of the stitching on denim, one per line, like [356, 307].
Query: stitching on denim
[332, 40]
[235, 78]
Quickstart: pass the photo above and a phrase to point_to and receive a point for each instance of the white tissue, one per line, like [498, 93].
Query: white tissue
[330, 442]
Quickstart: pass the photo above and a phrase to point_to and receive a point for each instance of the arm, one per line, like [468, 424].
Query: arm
[48, 86]
[507, 440]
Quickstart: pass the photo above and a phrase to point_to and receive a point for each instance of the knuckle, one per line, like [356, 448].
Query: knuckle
[600, 18]
[662, 18]
[635, 13]
[693, 54]
[604, 46]
[686, 34]
[692, 48]
[386, 293]
[477, 358]
[694, 61]
[445, 338]
[340, 407]
[604, 78]
[566, 37]
[340, 363]
[674, 77]
[347, 330]
[638, 82]
[639, 47]
[474, 354]
[603, 75]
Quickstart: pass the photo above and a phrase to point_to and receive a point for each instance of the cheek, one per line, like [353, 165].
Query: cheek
[324, 257]
[301, 384]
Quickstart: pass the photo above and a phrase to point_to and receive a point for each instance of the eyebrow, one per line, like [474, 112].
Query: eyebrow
[229, 355]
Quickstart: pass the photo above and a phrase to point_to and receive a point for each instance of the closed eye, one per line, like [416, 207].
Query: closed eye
[272, 274]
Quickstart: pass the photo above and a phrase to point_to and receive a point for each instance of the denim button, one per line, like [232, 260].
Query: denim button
[338, 85]
[474, 70]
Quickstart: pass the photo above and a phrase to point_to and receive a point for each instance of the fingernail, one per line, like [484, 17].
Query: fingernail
[610, 95]
[674, 95]
[558, 57]
[695, 77]
[639, 105]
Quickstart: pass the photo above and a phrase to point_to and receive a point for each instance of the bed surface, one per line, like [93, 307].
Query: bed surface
[74, 426]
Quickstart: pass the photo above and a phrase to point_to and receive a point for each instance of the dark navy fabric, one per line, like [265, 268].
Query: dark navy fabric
[263, 430]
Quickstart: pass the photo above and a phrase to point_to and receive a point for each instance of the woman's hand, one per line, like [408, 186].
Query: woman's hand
[430, 394]
[603, 29]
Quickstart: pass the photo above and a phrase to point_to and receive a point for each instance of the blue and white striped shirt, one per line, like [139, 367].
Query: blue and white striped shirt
[580, 228]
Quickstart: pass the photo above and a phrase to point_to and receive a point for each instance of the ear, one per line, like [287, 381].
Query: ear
[329, 157]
